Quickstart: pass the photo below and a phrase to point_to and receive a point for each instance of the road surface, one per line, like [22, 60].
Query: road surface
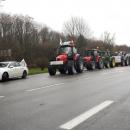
[93, 100]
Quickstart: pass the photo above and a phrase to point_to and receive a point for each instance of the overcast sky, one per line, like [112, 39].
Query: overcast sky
[101, 15]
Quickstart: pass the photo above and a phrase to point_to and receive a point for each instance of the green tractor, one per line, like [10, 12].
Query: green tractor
[108, 59]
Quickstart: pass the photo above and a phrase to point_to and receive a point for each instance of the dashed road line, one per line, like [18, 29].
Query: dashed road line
[85, 78]
[2, 96]
[83, 117]
[112, 72]
[30, 90]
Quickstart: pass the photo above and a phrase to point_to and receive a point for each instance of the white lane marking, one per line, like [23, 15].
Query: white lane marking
[108, 73]
[81, 118]
[112, 72]
[30, 90]
[121, 71]
[1, 96]
[85, 78]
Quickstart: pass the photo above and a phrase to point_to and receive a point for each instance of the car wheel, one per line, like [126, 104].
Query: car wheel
[5, 76]
[24, 76]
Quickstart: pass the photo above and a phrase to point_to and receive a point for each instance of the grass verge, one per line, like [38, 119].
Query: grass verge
[33, 71]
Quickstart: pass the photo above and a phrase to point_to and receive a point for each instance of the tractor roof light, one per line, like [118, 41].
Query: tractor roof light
[69, 43]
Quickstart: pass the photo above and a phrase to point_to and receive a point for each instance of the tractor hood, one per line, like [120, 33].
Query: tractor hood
[62, 57]
[87, 58]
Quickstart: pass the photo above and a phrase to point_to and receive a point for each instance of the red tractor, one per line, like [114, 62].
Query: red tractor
[67, 60]
[92, 59]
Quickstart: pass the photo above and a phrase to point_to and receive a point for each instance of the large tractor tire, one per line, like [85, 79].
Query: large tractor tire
[88, 67]
[122, 63]
[100, 64]
[113, 63]
[107, 65]
[71, 68]
[79, 65]
[127, 62]
[51, 70]
[92, 66]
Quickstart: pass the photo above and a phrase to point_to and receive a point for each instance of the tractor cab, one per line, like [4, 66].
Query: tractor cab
[66, 51]
[91, 53]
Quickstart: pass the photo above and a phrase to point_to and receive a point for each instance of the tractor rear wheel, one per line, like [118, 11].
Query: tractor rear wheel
[127, 62]
[79, 65]
[122, 63]
[51, 70]
[71, 69]
[107, 65]
[100, 64]
[113, 63]
[93, 66]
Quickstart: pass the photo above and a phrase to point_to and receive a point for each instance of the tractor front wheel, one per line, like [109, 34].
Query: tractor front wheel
[51, 70]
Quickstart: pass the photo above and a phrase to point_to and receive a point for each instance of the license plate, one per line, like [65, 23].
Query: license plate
[56, 63]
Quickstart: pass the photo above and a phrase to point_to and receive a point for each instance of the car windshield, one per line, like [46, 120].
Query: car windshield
[2, 64]
[88, 53]
[66, 50]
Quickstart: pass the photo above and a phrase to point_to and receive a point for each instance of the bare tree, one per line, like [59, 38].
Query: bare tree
[75, 27]
[109, 41]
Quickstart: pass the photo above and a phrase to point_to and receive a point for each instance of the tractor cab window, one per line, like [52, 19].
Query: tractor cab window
[66, 50]
[74, 50]
[89, 53]
[96, 53]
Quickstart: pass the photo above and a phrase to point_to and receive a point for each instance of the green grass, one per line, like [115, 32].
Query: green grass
[33, 71]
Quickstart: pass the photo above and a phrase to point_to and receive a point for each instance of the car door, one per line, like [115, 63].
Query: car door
[19, 69]
[12, 70]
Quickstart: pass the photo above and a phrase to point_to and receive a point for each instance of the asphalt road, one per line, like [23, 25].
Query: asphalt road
[93, 100]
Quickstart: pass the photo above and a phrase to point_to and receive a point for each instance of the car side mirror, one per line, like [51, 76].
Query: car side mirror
[10, 66]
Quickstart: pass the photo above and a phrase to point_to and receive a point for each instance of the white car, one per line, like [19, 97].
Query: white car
[13, 69]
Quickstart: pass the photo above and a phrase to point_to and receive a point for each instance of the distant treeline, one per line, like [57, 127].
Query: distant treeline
[37, 43]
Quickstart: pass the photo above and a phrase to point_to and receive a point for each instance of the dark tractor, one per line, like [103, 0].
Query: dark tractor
[67, 60]
[92, 59]
[108, 59]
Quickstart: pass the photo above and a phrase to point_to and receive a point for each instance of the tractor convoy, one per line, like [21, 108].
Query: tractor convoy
[69, 61]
